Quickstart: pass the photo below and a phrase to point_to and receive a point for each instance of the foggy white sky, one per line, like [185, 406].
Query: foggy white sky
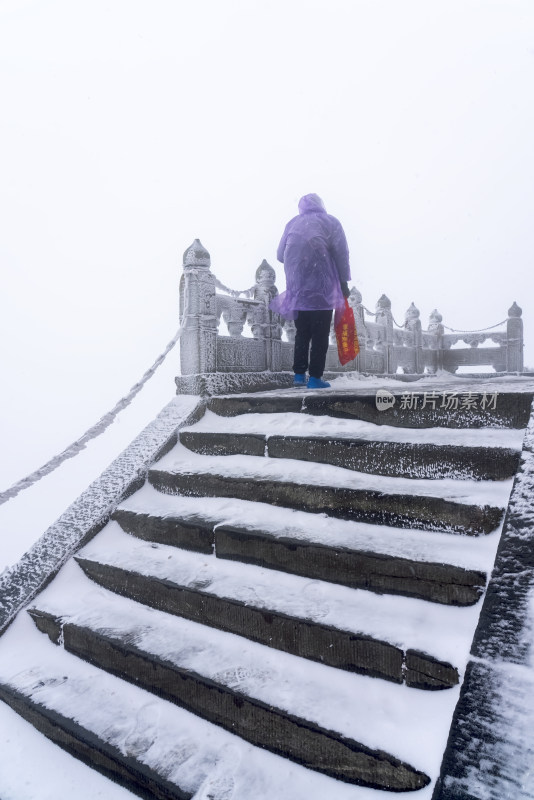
[130, 128]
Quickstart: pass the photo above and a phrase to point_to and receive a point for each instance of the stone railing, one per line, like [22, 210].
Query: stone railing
[257, 351]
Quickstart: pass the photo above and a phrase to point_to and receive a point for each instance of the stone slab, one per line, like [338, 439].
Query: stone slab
[224, 444]
[399, 458]
[193, 533]
[407, 459]
[424, 672]
[303, 638]
[92, 750]
[256, 404]
[251, 719]
[439, 583]
[512, 408]
[404, 511]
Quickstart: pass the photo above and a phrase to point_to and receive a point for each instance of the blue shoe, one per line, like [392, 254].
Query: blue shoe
[299, 380]
[317, 383]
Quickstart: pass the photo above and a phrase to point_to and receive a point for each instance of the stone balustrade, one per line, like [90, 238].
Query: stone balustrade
[257, 351]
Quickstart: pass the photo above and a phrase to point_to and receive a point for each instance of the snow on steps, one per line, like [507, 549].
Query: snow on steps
[347, 725]
[512, 409]
[141, 741]
[479, 454]
[357, 555]
[160, 750]
[240, 685]
[443, 505]
[275, 609]
[288, 705]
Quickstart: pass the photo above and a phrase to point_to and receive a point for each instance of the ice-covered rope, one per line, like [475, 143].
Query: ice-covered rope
[453, 330]
[96, 430]
[478, 330]
[234, 292]
[371, 313]
[105, 421]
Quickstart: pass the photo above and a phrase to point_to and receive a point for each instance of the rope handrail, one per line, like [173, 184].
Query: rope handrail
[453, 330]
[374, 314]
[94, 431]
[371, 313]
[233, 292]
[104, 422]
[478, 330]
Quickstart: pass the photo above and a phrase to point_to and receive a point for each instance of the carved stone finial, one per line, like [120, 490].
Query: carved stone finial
[355, 297]
[265, 274]
[412, 313]
[196, 256]
[383, 303]
[515, 311]
[435, 317]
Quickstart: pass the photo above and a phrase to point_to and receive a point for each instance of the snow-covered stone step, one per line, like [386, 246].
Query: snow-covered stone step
[479, 453]
[450, 407]
[274, 609]
[469, 507]
[354, 554]
[145, 743]
[295, 708]
[363, 455]
[306, 425]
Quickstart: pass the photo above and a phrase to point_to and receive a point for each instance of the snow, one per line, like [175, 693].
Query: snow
[181, 460]
[296, 424]
[442, 631]
[469, 552]
[201, 755]
[410, 724]
[358, 383]
[23, 778]
[380, 714]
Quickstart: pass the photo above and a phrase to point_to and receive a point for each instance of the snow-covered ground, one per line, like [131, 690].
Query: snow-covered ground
[296, 424]
[24, 519]
[377, 710]
[474, 552]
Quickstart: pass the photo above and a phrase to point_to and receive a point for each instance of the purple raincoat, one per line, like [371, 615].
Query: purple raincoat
[315, 256]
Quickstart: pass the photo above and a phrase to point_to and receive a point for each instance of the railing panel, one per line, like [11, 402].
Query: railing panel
[240, 354]
[385, 346]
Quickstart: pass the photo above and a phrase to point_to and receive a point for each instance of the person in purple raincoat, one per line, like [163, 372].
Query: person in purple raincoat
[315, 256]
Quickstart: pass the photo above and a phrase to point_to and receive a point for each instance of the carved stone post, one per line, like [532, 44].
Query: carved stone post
[269, 328]
[198, 344]
[355, 302]
[385, 317]
[413, 324]
[437, 330]
[514, 339]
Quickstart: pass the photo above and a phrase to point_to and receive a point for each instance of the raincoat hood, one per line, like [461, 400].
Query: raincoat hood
[315, 256]
[311, 203]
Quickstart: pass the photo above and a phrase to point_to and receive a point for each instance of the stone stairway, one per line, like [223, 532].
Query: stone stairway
[291, 593]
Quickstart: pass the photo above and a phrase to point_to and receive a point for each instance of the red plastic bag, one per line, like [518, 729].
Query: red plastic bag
[347, 338]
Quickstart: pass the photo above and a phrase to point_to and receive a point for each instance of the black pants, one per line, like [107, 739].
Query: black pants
[314, 327]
